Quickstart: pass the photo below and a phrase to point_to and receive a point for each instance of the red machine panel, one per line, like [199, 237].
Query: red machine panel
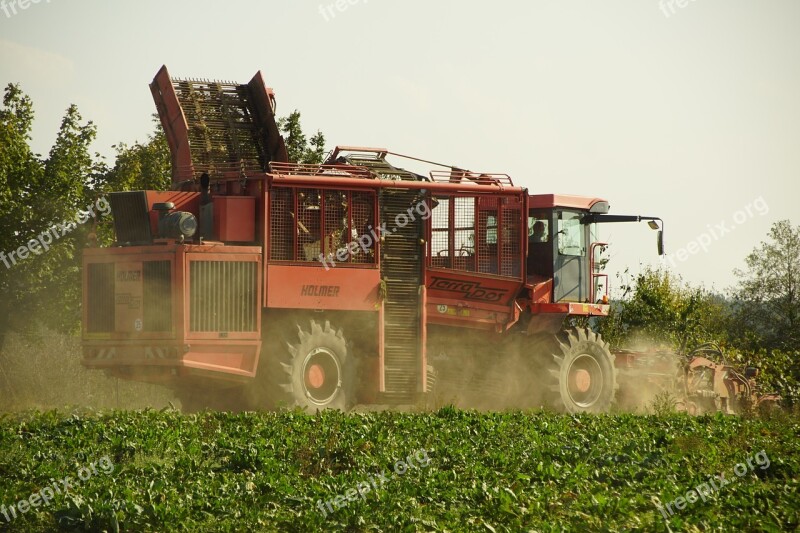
[235, 218]
[347, 289]
[455, 298]
[168, 310]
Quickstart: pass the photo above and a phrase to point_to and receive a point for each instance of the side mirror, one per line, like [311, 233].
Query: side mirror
[660, 239]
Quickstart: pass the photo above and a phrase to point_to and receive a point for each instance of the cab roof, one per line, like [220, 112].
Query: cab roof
[549, 201]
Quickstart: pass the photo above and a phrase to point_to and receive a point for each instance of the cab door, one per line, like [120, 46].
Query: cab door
[570, 279]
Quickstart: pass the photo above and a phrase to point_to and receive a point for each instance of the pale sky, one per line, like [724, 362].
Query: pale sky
[688, 113]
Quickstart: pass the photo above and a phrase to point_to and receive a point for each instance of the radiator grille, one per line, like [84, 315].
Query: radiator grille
[100, 300]
[223, 296]
[157, 295]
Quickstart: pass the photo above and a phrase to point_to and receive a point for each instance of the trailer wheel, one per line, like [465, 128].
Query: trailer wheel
[583, 374]
[319, 372]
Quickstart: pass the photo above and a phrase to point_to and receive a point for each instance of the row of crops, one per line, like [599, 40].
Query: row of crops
[449, 470]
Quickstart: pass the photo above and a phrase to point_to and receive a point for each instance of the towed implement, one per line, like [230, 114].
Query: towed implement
[700, 382]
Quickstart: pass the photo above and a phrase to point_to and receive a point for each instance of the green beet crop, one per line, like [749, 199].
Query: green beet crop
[487, 472]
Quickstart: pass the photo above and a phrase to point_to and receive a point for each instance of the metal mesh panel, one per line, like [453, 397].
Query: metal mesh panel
[349, 217]
[473, 234]
[488, 239]
[510, 254]
[100, 311]
[362, 217]
[223, 296]
[440, 230]
[309, 224]
[463, 252]
[327, 222]
[336, 223]
[281, 224]
[453, 233]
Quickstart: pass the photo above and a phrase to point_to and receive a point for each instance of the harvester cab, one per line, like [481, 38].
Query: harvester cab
[563, 260]
[560, 246]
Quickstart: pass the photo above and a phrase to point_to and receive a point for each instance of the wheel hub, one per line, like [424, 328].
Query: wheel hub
[321, 376]
[585, 381]
[582, 380]
[315, 376]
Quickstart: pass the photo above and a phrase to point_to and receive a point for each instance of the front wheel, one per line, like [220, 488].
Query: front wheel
[582, 371]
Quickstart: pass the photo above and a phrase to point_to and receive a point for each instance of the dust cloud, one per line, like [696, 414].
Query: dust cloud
[42, 371]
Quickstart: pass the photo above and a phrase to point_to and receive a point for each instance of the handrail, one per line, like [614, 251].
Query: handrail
[303, 169]
[596, 275]
[452, 175]
[466, 176]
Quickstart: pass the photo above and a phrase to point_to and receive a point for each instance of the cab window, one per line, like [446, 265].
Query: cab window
[539, 228]
[571, 234]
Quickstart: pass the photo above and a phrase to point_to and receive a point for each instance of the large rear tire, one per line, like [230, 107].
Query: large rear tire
[315, 370]
[583, 377]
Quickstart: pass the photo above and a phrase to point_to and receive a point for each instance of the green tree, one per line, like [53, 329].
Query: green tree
[301, 149]
[42, 285]
[767, 297]
[658, 308]
[21, 172]
[71, 173]
[142, 166]
[21, 178]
